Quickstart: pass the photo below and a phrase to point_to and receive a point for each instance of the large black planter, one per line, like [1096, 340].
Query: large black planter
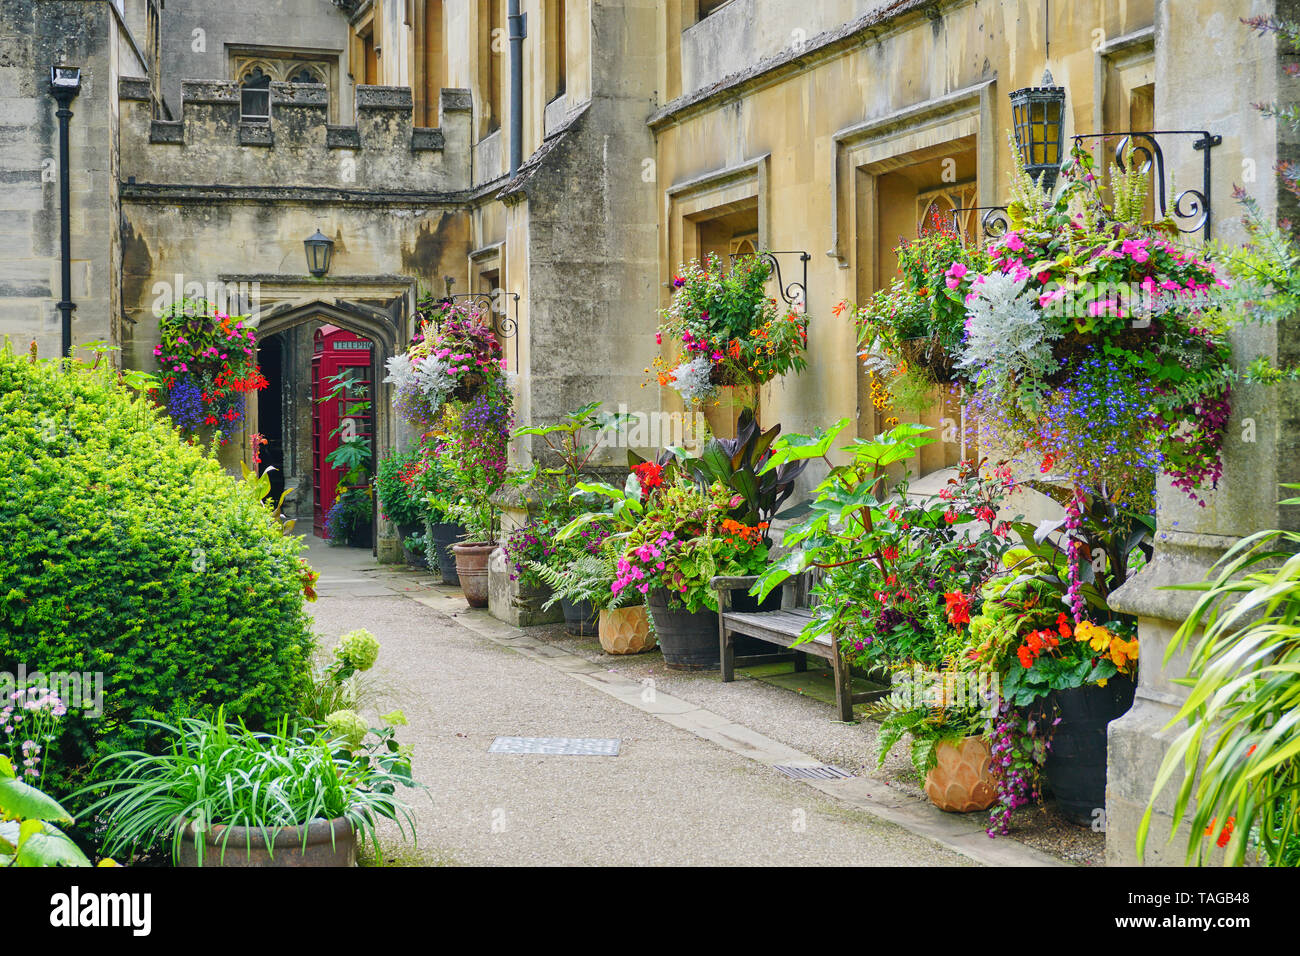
[689, 640]
[580, 619]
[742, 600]
[442, 535]
[1075, 767]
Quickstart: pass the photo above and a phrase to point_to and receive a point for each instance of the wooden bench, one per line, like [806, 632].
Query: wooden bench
[782, 628]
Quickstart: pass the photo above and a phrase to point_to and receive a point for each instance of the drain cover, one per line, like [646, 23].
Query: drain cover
[557, 746]
[820, 772]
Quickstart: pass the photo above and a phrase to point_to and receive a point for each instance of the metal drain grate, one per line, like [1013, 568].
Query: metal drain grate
[557, 746]
[819, 772]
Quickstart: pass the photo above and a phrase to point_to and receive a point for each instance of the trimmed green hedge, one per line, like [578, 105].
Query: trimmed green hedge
[126, 551]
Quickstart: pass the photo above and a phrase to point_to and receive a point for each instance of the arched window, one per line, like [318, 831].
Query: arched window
[255, 97]
[304, 74]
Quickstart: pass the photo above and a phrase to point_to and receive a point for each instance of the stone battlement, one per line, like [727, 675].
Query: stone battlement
[211, 145]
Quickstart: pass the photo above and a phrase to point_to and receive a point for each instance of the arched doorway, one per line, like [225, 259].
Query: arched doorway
[286, 336]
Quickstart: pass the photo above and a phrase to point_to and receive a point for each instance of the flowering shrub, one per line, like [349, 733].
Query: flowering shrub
[395, 483]
[901, 574]
[454, 359]
[684, 541]
[532, 543]
[209, 365]
[727, 330]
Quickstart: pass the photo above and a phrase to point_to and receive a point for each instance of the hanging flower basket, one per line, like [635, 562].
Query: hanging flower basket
[928, 354]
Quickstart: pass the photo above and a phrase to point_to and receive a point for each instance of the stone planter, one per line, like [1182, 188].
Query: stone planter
[329, 843]
[625, 630]
[689, 639]
[472, 570]
[962, 781]
[1075, 768]
[580, 619]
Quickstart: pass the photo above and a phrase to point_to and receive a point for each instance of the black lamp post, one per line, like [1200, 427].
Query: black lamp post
[1038, 114]
[319, 250]
[65, 84]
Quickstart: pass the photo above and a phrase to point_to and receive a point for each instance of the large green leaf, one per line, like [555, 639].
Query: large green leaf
[24, 802]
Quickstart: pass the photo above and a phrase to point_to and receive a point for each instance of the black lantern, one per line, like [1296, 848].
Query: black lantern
[319, 250]
[1038, 113]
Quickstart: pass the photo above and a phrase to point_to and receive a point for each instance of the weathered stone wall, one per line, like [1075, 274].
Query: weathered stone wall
[1260, 448]
[581, 236]
[209, 145]
[804, 134]
[197, 36]
[35, 35]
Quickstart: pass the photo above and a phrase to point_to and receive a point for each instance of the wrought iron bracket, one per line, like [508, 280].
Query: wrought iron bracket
[504, 324]
[794, 294]
[993, 224]
[1190, 204]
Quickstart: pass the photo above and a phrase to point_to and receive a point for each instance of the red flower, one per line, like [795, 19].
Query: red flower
[958, 608]
[1063, 624]
[1048, 462]
[985, 514]
[890, 553]
[950, 516]
[1026, 657]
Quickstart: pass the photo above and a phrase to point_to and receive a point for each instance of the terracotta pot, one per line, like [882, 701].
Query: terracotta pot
[472, 569]
[329, 843]
[962, 781]
[625, 630]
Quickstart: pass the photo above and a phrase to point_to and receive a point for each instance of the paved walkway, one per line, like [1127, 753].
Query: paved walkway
[689, 786]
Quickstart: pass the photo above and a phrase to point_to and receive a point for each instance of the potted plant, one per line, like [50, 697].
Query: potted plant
[394, 478]
[949, 749]
[728, 330]
[682, 542]
[475, 446]
[205, 796]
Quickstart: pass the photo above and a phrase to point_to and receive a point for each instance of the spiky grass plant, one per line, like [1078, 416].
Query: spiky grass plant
[217, 773]
[1240, 753]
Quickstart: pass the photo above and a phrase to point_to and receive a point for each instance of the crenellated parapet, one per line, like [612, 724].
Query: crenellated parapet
[211, 145]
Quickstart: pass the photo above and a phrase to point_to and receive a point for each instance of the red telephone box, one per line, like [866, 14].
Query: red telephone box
[336, 350]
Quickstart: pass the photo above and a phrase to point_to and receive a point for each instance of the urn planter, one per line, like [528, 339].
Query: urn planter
[1075, 768]
[472, 570]
[961, 780]
[625, 630]
[328, 843]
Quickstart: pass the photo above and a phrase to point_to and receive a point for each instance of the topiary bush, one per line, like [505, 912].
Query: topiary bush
[129, 552]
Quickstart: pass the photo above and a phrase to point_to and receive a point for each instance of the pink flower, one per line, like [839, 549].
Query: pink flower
[1013, 242]
[955, 273]
[1136, 249]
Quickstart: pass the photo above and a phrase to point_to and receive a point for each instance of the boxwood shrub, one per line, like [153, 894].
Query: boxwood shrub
[126, 551]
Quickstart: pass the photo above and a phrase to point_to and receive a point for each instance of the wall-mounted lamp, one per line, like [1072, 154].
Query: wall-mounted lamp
[320, 249]
[1038, 114]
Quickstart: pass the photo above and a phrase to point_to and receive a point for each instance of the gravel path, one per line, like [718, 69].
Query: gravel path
[670, 797]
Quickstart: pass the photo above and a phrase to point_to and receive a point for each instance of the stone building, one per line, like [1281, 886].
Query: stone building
[211, 137]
